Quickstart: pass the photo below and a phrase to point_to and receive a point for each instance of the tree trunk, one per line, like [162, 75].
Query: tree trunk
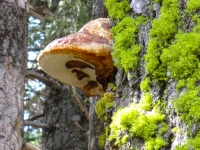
[157, 87]
[13, 54]
[68, 123]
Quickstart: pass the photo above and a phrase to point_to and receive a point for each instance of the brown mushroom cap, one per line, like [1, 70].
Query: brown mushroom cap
[81, 59]
[99, 27]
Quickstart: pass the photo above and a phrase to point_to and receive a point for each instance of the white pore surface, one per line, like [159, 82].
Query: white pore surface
[54, 65]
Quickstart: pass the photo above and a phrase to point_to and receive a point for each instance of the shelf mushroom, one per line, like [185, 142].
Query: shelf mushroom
[82, 59]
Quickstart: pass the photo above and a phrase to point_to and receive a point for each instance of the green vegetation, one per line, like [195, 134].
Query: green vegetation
[100, 108]
[104, 103]
[192, 143]
[162, 33]
[172, 52]
[145, 85]
[102, 139]
[187, 106]
[117, 9]
[193, 5]
[124, 33]
[182, 56]
[139, 121]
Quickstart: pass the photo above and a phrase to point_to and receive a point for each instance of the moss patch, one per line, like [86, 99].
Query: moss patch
[126, 50]
[162, 33]
[139, 121]
[104, 103]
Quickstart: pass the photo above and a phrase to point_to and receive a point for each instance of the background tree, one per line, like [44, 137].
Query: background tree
[58, 111]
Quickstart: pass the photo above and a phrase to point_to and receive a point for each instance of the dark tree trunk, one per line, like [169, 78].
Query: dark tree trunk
[13, 54]
[68, 123]
[99, 10]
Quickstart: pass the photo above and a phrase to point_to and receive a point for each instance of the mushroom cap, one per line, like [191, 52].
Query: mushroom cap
[99, 27]
[82, 60]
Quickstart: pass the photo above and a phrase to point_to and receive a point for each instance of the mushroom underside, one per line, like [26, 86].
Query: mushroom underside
[72, 71]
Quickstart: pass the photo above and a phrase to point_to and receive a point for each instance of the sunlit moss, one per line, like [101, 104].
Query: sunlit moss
[145, 84]
[187, 106]
[126, 50]
[163, 31]
[104, 103]
[193, 5]
[139, 120]
[192, 143]
[117, 9]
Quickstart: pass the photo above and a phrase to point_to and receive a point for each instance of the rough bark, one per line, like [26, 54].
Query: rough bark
[129, 91]
[68, 125]
[99, 10]
[13, 46]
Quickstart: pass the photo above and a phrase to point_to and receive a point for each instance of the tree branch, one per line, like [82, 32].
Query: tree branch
[34, 117]
[36, 124]
[37, 74]
[34, 49]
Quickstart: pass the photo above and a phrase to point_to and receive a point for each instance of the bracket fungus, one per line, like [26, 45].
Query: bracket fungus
[81, 59]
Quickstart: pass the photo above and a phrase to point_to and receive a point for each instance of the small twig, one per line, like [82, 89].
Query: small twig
[29, 146]
[36, 124]
[81, 106]
[34, 117]
[34, 49]
[78, 125]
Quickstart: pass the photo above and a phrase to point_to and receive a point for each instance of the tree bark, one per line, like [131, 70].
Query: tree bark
[99, 10]
[13, 55]
[68, 124]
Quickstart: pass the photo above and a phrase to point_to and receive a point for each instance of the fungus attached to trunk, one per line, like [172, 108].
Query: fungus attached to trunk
[82, 59]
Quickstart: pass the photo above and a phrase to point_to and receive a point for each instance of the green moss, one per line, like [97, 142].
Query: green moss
[191, 144]
[117, 9]
[124, 33]
[102, 139]
[163, 31]
[112, 86]
[182, 56]
[187, 106]
[125, 50]
[193, 5]
[146, 102]
[139, 120]
[145, 84]
[104, 103]
[171, 53]
[175, 130]
[181, 84]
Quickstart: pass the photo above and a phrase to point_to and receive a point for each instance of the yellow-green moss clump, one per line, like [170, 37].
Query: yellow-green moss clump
[126, 50]
[139, 121]
[162, 33]
[104, 103]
